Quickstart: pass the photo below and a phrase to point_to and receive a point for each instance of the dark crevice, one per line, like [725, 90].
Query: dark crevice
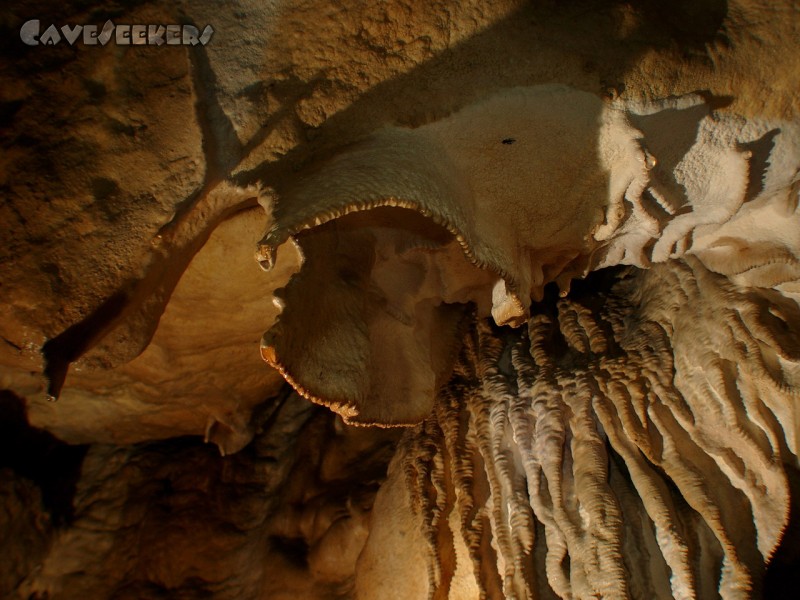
[782, 579]
[34, 454]
[597, 285]
[66, 347]
[590, 292]
[294, 550]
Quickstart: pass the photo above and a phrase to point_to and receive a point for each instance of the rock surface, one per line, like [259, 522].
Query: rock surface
[560, 241]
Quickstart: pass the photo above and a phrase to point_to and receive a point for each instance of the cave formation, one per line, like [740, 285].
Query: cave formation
[402, 300]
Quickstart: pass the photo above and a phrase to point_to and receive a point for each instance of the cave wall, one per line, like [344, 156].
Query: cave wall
[137, 183]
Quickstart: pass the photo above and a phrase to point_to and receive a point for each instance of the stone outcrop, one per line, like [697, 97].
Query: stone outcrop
[541, 258]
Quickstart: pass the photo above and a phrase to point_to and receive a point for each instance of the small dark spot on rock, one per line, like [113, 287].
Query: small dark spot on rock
[95, 89]
[7, 112]
[103, 188]
[612, 91]
[509, 141]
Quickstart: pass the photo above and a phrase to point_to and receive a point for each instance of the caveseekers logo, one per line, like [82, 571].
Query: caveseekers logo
[123, 35]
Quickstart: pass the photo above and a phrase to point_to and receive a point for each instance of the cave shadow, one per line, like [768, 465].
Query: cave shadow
[509, 53]
[39, 456]
[760, 151]
[782, 578]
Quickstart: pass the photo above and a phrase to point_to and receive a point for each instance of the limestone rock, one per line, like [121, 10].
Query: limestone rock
[557, 243]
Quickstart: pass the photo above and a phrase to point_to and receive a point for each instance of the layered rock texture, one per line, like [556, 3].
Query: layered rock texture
[402, 300]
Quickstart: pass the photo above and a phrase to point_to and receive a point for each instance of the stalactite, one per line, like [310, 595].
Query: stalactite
[648, 476]
[423, 473]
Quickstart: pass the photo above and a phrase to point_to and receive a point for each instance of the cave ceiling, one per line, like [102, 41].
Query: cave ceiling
[401, 299]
